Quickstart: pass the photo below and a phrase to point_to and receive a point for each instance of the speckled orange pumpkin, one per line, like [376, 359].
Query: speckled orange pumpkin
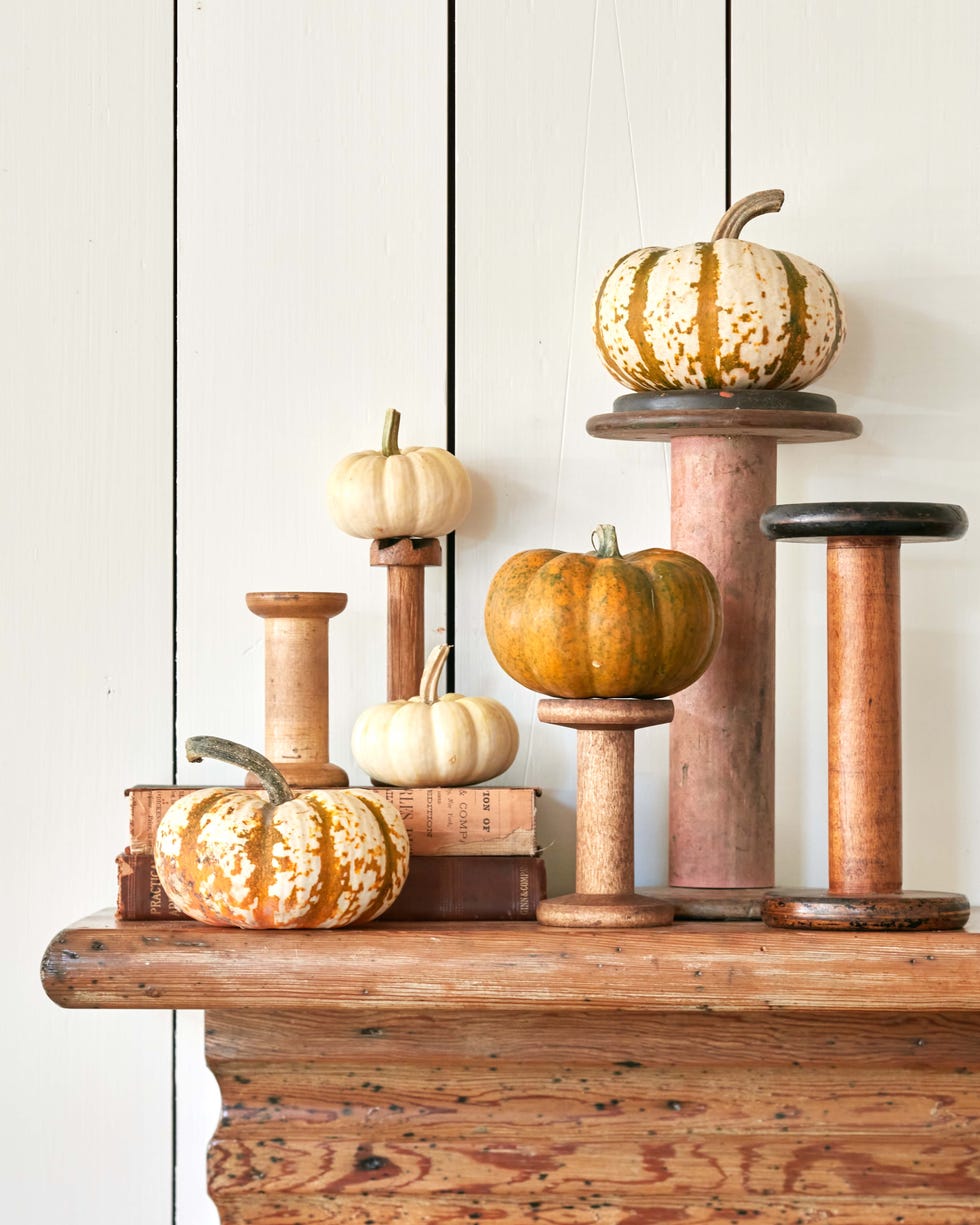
[600, 625]
[239, 859]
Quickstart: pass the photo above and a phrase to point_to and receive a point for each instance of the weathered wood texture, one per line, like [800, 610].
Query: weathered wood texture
[405, 560]
[103, 962]
[865, 729]
[604, 860]
[721, 741]
[581, 1116]
[292, 1210]
[297, 683]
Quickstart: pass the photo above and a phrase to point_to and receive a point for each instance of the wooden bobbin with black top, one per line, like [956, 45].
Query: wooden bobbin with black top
[604, 885]
[864, 717]
[406, 558]
[297, 678]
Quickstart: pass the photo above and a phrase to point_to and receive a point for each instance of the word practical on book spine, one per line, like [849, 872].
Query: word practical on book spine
[439, 820]
[443, 887]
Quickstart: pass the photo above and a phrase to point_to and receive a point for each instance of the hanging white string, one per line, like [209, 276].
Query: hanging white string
[571, 331]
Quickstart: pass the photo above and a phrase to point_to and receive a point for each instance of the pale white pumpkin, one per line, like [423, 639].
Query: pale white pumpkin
[719, 314]
[428, 741]
[381, 495]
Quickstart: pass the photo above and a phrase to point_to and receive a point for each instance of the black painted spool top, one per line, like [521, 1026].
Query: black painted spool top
[911, 521]
[727, 399]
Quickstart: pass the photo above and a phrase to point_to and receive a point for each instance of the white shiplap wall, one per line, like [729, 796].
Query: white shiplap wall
[312, 289]
[570, 153]
[312, 275]
[873, 140]
[85, 620]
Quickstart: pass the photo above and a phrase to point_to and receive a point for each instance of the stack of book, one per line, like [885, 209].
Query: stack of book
[474, 854]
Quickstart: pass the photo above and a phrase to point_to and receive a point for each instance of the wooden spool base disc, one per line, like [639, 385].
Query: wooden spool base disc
[604, 910]
[819, 910]
[678, 421]
[306, 775]
[692, 903]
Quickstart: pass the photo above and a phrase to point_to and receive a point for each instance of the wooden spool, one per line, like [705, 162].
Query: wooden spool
[864, 717]
[604, 883]
[722, 762]
[297, 677]
[406, 558]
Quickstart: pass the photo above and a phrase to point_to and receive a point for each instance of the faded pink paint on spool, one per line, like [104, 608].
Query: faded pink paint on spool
[722, 773]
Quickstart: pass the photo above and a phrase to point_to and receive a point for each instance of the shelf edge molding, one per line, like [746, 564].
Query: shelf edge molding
[103, 962]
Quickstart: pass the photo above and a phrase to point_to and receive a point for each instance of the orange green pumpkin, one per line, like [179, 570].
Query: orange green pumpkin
[601, 625]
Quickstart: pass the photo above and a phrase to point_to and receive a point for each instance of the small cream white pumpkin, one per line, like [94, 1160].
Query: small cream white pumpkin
[428, 741]
[718, 314]
[381, 495]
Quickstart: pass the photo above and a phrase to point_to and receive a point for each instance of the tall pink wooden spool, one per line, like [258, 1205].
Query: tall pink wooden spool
[722, 765]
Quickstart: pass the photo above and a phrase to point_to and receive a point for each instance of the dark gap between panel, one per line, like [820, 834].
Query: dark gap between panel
[450, 551]
[173, 611]
[728, 104]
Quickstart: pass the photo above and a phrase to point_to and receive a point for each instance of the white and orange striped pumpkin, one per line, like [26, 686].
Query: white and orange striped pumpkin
[240, 859]
[391, 493]
[720, 314]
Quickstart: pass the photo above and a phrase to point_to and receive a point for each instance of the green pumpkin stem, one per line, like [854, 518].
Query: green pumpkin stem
[604, 542]
[389, 435]
[213, 747]
[742, 211]
[432, 674]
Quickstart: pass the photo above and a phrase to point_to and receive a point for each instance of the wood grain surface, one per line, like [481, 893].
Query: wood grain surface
[403, 1116]
[722, 738]
[102, 962]
[405, 559]
[297, 683]
[669, 1210]
[864, 692]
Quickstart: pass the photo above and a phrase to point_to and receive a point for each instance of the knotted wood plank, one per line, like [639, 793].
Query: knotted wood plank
[614, 1119]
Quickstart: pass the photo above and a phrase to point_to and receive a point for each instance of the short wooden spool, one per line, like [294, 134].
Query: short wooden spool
[405, 558]
[604, 883]
[297, 679]
[864, 718]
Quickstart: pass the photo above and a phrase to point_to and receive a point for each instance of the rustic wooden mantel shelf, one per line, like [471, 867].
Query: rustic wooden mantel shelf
[700, 1074]
[102, 962]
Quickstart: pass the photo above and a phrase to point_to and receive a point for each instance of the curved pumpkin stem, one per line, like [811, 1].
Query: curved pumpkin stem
[432, 672]
[389, 435]
[742, 211]
[213, 747]
[604, 542]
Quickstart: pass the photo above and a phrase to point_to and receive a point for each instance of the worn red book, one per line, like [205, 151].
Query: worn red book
[459, 887]
[439, 820]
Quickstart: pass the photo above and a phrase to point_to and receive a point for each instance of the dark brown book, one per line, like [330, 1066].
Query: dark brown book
[469, 887]
[439, 820]
[458, 887]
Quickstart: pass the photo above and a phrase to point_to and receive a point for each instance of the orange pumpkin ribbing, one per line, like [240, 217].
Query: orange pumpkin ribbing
[585, 626]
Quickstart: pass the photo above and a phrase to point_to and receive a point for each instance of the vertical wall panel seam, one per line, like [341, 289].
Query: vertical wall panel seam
[728, 104]
[173, 597]
[450, 552]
